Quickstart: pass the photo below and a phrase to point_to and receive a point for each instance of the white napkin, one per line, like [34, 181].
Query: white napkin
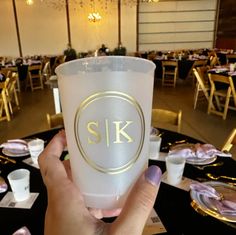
[203, 151]
[15, 145]
[224, 207]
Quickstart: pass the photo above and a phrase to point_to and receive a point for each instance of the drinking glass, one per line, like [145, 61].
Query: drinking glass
[106, 104]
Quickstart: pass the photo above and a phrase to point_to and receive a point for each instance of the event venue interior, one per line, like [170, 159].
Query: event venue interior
[170, 95]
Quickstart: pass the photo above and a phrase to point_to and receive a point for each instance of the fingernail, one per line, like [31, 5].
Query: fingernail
[153, 175]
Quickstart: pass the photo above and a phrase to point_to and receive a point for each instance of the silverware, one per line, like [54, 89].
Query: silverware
[206, 180]
[169, 145]
[8, 159]
[217, 177]
[178, 142]
[210, 165]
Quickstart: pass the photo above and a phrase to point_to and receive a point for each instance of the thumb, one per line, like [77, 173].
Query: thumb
[139, 203]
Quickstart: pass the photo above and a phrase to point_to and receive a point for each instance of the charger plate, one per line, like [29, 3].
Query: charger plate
[200, 161]
[203, 205]
[15, 154]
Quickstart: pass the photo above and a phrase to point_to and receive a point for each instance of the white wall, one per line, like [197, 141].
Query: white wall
[43, 29]
[162, 26]
[8, 38]
[171, 25]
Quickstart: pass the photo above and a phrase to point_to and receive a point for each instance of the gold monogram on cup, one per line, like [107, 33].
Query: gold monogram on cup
[111, 130]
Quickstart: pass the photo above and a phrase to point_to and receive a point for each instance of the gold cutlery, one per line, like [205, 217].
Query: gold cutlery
[217, 177]
[210, 165]
[205, 180]
[7, 159]
[169, 145]
[178, 142]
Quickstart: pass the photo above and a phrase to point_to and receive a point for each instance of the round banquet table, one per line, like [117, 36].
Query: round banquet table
[172, 204]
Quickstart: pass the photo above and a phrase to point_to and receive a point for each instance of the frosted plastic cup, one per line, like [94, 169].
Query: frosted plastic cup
[155, 145]
[20, 184]
[175, 168]
[35, 147]
[106, 103]
[231, 67]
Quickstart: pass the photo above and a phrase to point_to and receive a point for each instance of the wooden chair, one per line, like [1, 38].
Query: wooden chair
[55, 120]
[4, 108]
[46, 72]
[230, 141]
[222, 96]
[172, 119]
[230, 58]
[202, 86]
[196, 64]
[214, 61]
[11, 94]
[35, 77]
[169, 73]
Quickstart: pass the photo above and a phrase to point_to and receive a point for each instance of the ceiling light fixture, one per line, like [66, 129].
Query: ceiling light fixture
[29, 2]
[94, 17]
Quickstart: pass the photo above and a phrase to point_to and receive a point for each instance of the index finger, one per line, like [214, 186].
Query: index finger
[51, 167]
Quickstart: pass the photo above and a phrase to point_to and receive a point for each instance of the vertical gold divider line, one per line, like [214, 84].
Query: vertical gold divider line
[107, 133]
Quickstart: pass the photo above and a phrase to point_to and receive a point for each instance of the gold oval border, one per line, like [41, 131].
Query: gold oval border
[84, 105]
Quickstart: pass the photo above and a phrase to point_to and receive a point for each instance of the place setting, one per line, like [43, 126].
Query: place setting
[16, 148]
[198, 154]
[20, 196]
[214, 198]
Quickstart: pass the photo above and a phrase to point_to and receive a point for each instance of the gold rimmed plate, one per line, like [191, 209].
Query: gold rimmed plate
[200, 161]
[203, 204]
[14, 154]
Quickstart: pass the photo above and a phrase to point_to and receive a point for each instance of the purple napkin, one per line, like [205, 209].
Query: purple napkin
[3, 185]
[224, 206]
[22, 231]
[15, 145]
[154, 131]
[201, 151]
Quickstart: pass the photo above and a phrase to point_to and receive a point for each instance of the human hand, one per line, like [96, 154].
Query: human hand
[67, 213]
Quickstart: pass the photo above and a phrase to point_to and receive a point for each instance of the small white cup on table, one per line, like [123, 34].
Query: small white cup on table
[20, 184]
[154, 147]
[175, 168]
[35, 147]
[231, 67]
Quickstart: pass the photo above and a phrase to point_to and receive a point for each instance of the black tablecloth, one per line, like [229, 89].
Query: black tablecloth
[184, 67]
[172, 204]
